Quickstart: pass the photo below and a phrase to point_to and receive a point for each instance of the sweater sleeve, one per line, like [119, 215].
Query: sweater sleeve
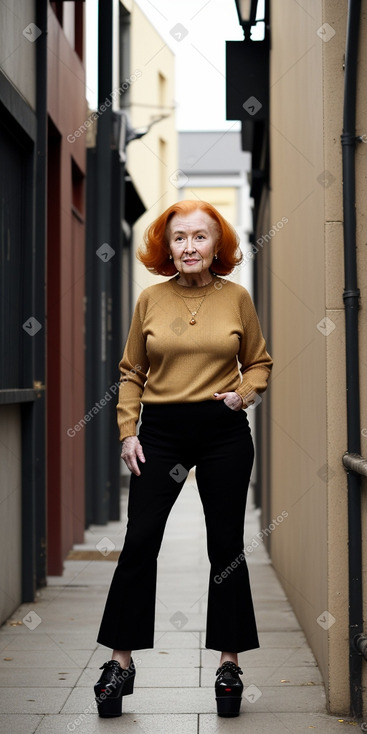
[255, 362]
[133, 369]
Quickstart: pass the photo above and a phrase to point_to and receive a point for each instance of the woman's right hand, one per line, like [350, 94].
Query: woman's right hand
[131, 451]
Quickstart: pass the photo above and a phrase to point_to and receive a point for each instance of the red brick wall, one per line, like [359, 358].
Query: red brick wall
[67, 109]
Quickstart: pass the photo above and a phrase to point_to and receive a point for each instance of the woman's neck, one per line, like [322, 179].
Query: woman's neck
[195, 280]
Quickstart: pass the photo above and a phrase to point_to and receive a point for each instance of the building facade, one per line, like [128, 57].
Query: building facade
[300, 265]
[21, 406]
[310, 553]
[42, 291]
[65, 306]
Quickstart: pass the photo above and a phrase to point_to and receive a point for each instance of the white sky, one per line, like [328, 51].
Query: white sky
[200, 56]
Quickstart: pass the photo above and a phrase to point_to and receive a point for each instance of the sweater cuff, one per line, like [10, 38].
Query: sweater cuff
[241, 396]
[248, 398]
[127, 429]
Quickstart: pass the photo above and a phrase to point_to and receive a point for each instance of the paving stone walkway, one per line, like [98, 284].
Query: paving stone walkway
[49, 657]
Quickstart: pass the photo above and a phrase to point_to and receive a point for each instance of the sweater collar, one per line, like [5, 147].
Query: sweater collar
[195, 291]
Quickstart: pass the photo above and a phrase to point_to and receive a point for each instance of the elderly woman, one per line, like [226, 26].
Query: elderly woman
[195, 358]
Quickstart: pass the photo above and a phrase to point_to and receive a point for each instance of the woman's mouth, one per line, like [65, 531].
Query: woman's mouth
[191, 261]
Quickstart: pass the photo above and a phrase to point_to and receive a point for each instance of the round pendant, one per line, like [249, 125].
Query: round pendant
[192, 322]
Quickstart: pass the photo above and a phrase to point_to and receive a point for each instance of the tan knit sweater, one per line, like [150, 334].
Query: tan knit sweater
[168, 360]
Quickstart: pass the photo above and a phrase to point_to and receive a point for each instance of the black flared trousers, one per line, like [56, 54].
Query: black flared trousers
[175, 437]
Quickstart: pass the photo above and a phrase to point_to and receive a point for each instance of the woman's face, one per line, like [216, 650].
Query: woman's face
[193, 240]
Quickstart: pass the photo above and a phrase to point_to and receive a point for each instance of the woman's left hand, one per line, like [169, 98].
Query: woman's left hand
[232, 399]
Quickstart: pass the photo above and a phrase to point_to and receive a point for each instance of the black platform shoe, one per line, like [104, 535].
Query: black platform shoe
[228, 689]
[114, 683]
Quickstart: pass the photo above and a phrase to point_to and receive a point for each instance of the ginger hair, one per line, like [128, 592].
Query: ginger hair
[155, 252]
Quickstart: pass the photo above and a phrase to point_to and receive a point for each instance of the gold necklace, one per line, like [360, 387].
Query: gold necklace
[192, 321]
[193, 313]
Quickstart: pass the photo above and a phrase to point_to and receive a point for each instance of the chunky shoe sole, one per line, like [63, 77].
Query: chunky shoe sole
[228, 689]
[228, 705]
[109, 705]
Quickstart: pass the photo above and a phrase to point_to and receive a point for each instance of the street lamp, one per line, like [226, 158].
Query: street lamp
[246, 10]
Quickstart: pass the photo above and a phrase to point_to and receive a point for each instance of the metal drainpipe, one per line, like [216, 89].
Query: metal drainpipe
[102, 285]
[350, 297]
[40, 442]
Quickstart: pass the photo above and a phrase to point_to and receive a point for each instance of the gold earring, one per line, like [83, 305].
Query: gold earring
[170, 257]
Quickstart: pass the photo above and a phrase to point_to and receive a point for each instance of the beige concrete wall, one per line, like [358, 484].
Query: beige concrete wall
[333, 57]
[18, 49]
[337, 529]
[152, 160]
[11, 510]
[298, 384]
[308, 432]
